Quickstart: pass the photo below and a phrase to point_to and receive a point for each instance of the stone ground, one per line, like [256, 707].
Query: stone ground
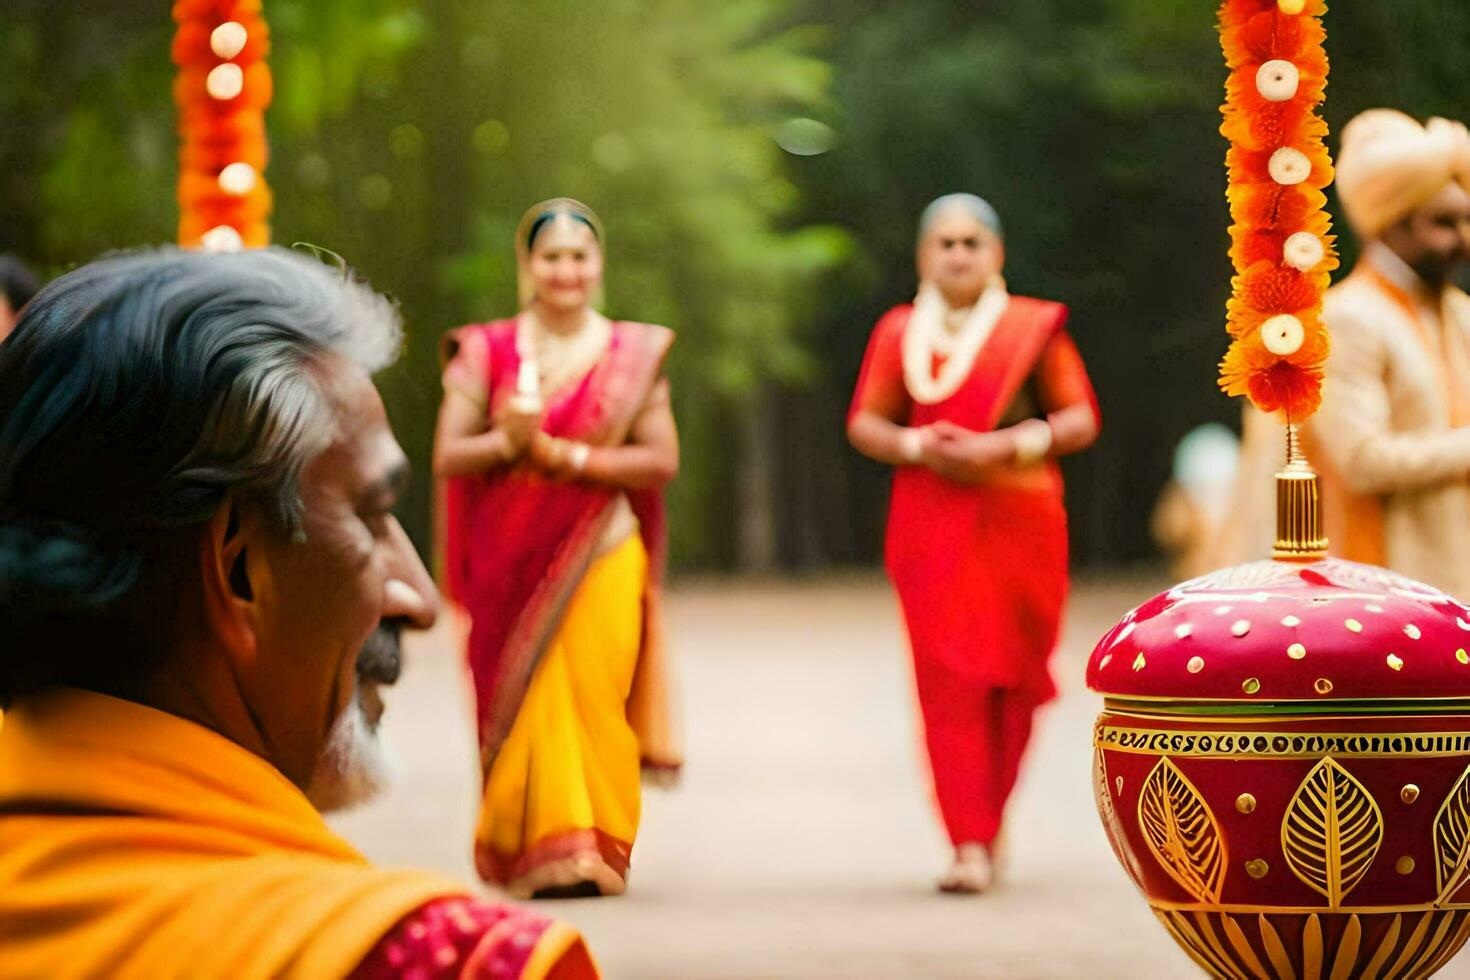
[801, 842]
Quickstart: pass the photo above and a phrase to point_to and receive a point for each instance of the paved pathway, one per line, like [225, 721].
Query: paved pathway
[801, 843]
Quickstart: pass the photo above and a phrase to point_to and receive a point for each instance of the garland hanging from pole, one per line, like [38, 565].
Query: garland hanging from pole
[1281, 241]
[222, 90]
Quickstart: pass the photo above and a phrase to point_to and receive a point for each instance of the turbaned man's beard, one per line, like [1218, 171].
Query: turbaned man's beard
[355, 765]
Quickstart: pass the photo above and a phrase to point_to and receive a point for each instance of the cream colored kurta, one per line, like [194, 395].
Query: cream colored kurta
[1385, 427]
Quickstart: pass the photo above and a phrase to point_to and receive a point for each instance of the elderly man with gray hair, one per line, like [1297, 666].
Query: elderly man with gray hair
[201, 588]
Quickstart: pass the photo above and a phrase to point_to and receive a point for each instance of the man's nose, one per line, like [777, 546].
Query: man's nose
[409, 593]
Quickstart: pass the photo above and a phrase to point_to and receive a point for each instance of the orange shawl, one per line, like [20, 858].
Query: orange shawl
[137, 844]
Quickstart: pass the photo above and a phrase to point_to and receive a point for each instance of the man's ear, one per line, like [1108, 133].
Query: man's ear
[229, 596]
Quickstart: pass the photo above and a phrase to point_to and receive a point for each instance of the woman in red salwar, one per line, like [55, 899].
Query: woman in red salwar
[556, 439]
[971, 393]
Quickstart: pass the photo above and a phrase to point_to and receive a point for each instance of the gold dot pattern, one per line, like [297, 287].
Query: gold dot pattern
[1196, 664]
[1252, 685]
[1296, 651]
[1245, 803]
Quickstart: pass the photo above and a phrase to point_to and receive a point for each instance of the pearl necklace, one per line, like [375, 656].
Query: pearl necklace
[550, 360]
[929, 335]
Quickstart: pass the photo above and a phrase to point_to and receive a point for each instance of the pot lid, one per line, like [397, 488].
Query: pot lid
[1270, 631]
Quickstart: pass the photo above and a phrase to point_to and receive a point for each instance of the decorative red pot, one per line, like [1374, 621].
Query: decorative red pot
[1282, 766]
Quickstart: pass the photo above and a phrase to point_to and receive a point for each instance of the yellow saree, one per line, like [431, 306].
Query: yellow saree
[561, 802]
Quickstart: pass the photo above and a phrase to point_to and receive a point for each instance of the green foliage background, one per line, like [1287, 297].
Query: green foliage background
[409, 137]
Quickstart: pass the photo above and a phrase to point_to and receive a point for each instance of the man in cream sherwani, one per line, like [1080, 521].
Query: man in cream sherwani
[1393, 437]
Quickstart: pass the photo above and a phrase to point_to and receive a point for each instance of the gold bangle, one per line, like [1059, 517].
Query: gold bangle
[1032, 448]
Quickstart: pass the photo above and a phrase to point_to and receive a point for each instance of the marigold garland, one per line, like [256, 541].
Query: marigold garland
[222, 90]
[1281, 242]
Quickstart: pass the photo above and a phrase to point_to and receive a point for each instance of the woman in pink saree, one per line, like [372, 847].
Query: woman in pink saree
[556, 438]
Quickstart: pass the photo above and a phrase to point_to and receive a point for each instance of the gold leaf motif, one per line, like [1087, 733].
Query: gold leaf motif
[1452, 839]
[1246, 956]
[1275, 950]
[1455, 943]
[1215, 945]
[1200, 941]
[1374, 966]
[1109, 815]
[1312, 948]
[1181, 832]
[1306, 948]
[1420, 967]
[1100, 786]
[1332, 831]
[1347, 950]
[1411, 947]
[1188, 941]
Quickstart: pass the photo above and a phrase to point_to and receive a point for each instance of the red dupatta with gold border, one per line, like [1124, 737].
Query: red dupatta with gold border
[518, 543]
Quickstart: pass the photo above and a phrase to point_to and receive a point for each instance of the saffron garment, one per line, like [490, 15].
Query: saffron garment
[980, 570]
[562, 582]
[134, 843]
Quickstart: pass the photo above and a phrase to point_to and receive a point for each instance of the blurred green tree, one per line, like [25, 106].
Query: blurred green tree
[760, 178]
[409, 137]
[1093, 126]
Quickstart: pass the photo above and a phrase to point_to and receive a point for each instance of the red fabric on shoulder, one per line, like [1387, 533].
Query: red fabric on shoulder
[466, 938]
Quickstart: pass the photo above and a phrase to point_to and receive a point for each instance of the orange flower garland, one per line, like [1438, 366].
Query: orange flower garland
[222, 90]
[1281, 244]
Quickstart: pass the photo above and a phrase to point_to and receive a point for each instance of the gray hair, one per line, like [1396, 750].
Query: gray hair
[976, 207]
[137, 393]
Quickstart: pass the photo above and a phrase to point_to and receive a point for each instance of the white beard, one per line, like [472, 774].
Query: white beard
[355, 765]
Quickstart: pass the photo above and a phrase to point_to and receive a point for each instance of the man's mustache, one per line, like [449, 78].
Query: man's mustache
[381, 657]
